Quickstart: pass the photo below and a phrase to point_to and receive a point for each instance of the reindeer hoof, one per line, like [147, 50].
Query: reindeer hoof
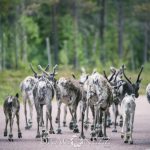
[108, 123]
[71, 125]
[125, 141]
[91, 138]
[10, 138]
[86, 126]
[59, 131]
[64, 124]
[105, 138]
[82, 136]
[30, 123]
[51, 132]
[56, 121]
[100, 134]
[75, 130]
[131, 142]
[121, 123]
[122, 136]
[19, 135]
[92, 127]
[114, 130]
[45, 140]
[27, 127]
[5, 133]
[38, 136]
[95, 139]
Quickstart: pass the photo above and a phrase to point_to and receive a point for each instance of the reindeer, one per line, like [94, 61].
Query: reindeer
[68, 92]
[43, 95]
[11, 109]
[62, 97]
[113, 79]
[27, 86]
[99, 94]
[148, 92]
[122, 87]
[128, 110]
[127, 86]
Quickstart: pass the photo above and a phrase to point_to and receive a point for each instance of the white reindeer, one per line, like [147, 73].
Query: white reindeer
[128, 110]
[148, 92]
[27, 86]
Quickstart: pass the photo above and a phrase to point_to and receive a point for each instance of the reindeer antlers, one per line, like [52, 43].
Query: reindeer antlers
[109, 80]
[138, 78]
[54, 69]
[123, 68]
[33, 69]
[40, 68]
[45, 71]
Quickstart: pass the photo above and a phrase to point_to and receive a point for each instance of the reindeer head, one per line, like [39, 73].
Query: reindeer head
[50, 76]
[135, 86]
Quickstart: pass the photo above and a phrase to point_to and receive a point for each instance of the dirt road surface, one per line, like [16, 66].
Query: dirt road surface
[70, 141]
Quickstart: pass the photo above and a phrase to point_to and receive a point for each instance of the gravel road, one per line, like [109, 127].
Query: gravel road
[68, 140]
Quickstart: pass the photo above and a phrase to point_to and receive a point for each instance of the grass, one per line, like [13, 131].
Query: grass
[10, 80]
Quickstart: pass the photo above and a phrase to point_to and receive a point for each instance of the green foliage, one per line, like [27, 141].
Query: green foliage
[37, 20]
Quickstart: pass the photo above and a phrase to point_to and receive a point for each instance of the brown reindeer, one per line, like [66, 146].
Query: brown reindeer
[11, 109]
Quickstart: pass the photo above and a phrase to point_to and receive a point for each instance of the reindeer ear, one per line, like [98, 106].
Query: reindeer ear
[17, 95]
[113, 69]
[87, 77]
[73, 76]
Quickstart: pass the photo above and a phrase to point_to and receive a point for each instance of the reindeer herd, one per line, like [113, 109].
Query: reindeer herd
[100, 93]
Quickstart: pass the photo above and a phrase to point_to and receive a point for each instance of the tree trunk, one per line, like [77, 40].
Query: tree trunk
[0, 44]
[145, 42]
[102, 6]
[48, 51]
[120, 27]
[75, 25]
[54, 34]
[16, 48]
[23, 38]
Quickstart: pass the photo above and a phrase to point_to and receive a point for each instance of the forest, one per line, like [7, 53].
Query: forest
[74, 33]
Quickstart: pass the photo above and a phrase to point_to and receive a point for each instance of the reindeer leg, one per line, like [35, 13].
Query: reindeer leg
[93, 115]
[75, 130]
[19, 131]
[115, 114]
[38, 111]
[131, 128]
[59, 111]
[83, 108]
[87, 114]
[80, 107]
[30, 103]
[65, 114]
[99, 124]
[41, 117]
[25, 111]
[6, 118]
[11, 118]
[71, 123]
[58, 105]
[93, 133]
[49, 110]
[104, 126]
[125, 126]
